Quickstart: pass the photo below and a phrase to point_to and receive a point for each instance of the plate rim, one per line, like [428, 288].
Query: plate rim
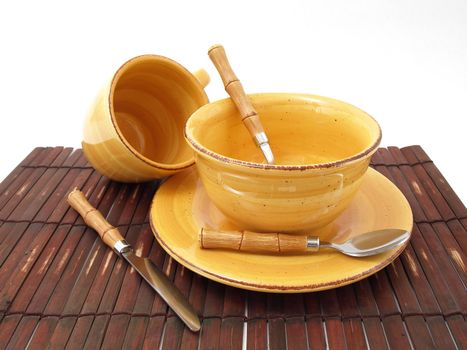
[335, 283]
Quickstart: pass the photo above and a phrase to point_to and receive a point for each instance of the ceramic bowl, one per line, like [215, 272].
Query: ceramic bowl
[134, 131]
[322, 149]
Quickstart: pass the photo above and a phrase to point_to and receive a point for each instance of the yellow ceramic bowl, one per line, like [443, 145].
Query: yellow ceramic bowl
[134, 131]
[322, 149]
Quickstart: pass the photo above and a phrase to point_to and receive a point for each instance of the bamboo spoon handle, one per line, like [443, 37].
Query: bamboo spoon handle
[253, 242]
[93, 218]
[234, 88]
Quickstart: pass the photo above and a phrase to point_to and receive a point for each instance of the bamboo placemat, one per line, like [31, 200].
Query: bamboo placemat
[61, 287]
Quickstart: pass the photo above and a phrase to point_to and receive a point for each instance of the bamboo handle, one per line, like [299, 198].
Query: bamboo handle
[93, 218]
[234, 88]
[254, 242]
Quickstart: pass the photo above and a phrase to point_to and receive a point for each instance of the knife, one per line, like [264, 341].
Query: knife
[155, 277]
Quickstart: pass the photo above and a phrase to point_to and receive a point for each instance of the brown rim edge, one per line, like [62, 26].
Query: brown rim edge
[218, 157]
[276, 288]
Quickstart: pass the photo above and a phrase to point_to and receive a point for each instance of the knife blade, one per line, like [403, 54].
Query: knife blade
[150, 273]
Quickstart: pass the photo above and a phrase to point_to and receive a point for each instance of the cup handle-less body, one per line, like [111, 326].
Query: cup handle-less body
[128, 147]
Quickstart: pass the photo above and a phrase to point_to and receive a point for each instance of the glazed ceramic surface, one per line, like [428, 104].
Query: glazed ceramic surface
[322, 149]
[134, 131]
[181, 207]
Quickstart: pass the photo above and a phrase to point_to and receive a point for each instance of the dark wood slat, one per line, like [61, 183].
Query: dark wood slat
[43, 332]
[396, 334]
[23, 332]
[173, 332]
[11, 177]
[416, 187]
[234, 302]
[38, 301]
[425, 296]
[56, 205]
[231, 333]
[383, 294]
[458, 328]
[190, 340]
[210, 334]
[115, 332]
[444, 260]
[55, 303]
[257, 305]
[354, 333]
[19, 272]
[19, 186]
[153, 336]
[294, 305]
[434, 273]
[348, 302]
[296, 331]
[214, 302]
[399, 180]
[79, 331]
[403, 290]
[418, 152]
[455, 203]
[13, 239]
[335, 333]
[7, 327]
[315, 331]
[62, 332]
[375, 333]
[275, 305]
[458, 229]
[446, 190]
[135, 333]
[329, 303]
[431, 200]
[440, 333]
[32, 202]
[38, 270]
[419, 332]
[365, 299]
[257, 334]
[456, 253]
[277, 334]
[97, 332]
[142, 211]
[198, 293]
[15, 194]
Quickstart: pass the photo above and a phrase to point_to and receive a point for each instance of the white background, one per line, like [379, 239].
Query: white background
[404, 62]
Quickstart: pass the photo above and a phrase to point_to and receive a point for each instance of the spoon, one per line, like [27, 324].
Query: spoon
[234, 88]
[366, 244]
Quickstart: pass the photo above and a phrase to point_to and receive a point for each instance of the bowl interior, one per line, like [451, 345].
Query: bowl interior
[302, 129]
[151, 99]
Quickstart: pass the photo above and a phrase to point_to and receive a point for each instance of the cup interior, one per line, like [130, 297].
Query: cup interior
[151, 98]
[302, 129]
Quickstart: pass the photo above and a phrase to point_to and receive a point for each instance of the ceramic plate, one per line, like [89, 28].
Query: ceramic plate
[181, 207]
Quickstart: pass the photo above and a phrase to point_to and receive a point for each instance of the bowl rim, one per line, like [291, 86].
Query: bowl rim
[115, 79]
[200, 149]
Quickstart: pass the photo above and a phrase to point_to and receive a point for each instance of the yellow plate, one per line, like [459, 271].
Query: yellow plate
[181, 206]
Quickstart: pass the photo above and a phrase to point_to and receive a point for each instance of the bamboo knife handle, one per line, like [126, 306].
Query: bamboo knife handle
[93, 218]
[234, 88]
[253, 242]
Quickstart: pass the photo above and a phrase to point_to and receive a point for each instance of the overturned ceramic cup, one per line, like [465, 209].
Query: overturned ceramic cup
[134, 130]
[322, 150]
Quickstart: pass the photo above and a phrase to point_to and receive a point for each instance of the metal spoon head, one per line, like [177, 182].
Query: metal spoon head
[373, 243]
